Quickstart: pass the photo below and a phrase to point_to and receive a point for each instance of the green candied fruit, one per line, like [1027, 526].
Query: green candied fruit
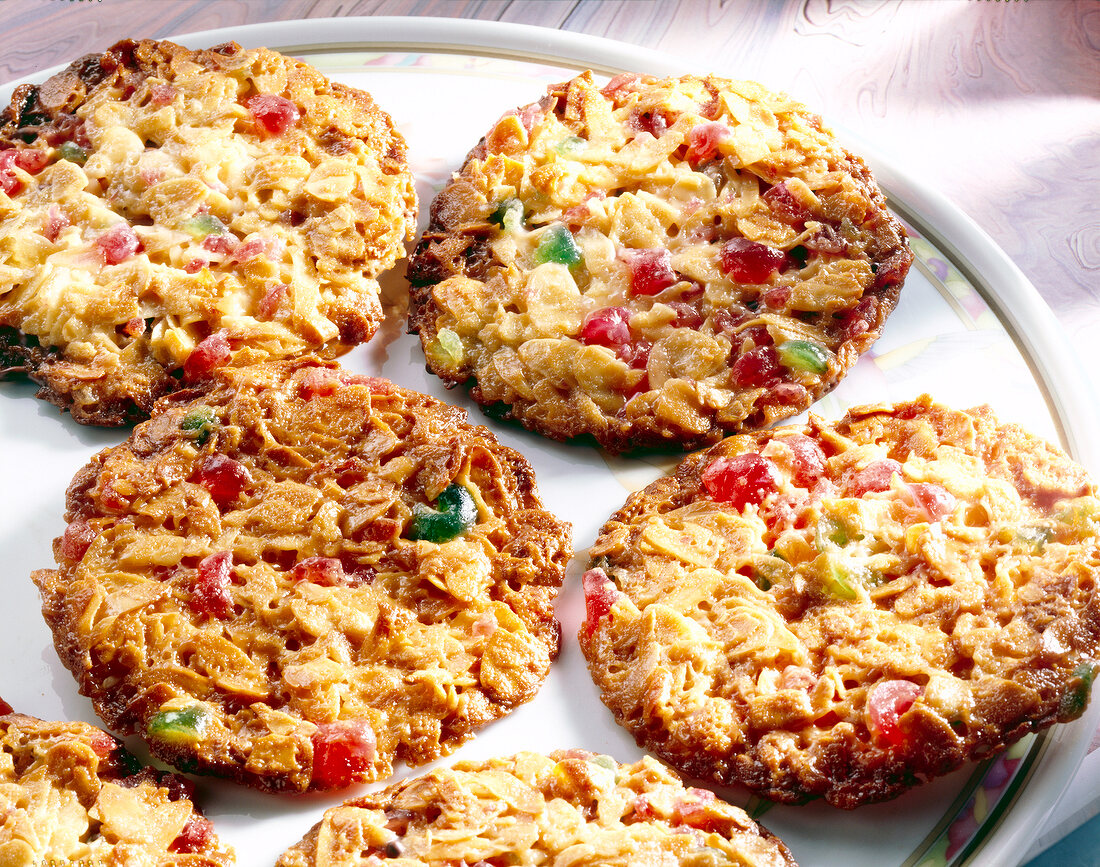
[201, 225]
[508, 214]
[455, 515]
[605, 762]
[804, 355]
[570, 146]
[446, 349]
[178, 726]
[557, 245]
[199, 424]
[832, 532]
[1034, 537]
[1076, 696]
[837, 579]
[74, 153]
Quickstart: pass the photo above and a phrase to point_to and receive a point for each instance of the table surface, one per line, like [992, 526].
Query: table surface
[995, 104]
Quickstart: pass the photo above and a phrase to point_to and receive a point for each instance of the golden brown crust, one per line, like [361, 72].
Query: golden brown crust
[241, 576]
[589, 268]
[853, 626]
[71, 794]
[149, 199]
[533, 809]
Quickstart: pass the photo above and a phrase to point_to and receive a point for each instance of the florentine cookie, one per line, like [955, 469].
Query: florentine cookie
[572, 807]
[71, 794]
[655, 262]
[301, 575]
[846, 610]
[165, 211]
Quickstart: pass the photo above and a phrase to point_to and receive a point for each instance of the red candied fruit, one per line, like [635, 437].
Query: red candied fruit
[5, 708]
[118, 243]
[342, 753]
[741, 480]
[809, 459]
[274, 115]
[624, 81]
[873, 478]
[827, 239]
[162, 94]
[210, 592]
[599, 596]
[858, 320]
[326, 571]
[636, 354]
[785, 206]
[32, 161]
[650, 270]
[749, 262]
[274, 299]
[77, 539]
[703, 141]
[196, 835]
[653, 122]
[102, 744]
[224, 478]
[56, 222]
[212, 352]
[687, 315]
[935, 500]
[609, 326]
[757, 368]
[776, 297]
[224, 243]
[887, 702]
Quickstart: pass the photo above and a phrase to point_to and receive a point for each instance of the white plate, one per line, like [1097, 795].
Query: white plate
[970, 329]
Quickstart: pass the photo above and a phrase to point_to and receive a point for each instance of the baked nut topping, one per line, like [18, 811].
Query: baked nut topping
[847, 610]
[166, 211]
[571, 807]
[71, 794]
[270, 580]
[655, 262]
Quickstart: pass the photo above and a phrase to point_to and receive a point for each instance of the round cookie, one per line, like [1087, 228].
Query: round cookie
[165, 211]
[71, 794]
[847, 610]
[655, 262]
[299, 576]
[572, 807]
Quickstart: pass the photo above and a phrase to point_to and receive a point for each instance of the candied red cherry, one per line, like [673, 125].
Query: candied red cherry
[757, 368]
[650, 270]
[873, 478]
[609, 326]
[118, 244]
[56, 222]
[703, 141]
[776, 297]
[599, 597]
[77, 539]
[342, 753]
[212, 352]
[196, 835]
[687, 315]
[326, 571]
[210, 592]
[749, 262]
[785, 206]
[273, 115]
[225, 478]
[886, 703]
[741, 480]
[935, 500]
[809, 459]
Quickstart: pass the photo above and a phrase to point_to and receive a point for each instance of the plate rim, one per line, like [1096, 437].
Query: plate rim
[1031, 323]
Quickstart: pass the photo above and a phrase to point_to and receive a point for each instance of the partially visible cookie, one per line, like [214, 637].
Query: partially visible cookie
[847, 610]
[165, 211]
[572, 807]
[655, 262]
[71, 794]
[299, 576]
